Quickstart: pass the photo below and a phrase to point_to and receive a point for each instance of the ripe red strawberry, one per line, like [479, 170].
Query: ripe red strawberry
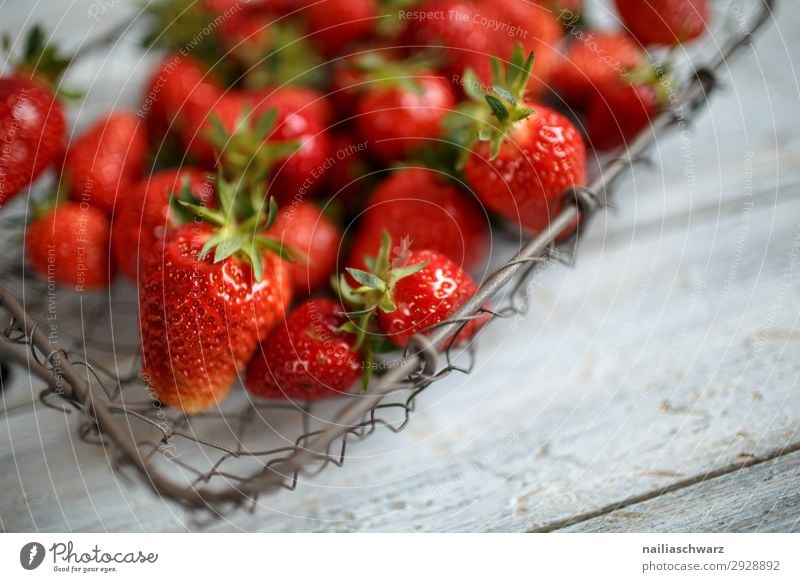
[348, 179]
[535, 26]
[594, 61]
[523, 156]
[304, 101]
[269, 50]
[179, 84]
[307, 357]
[410, 291]
[264, 132]
[665, 22]
[143, 216]
[400, 115]
[304, 228]
[300, 174]
[106, 160]
[428, 297]
[70, 244]
[202, 313]
[418, 204]
[31, 133]
[351, 74]
[337, 23]
[452, 28]
[620, 111]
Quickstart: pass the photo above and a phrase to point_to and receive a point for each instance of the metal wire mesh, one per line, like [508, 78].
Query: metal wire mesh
[228, 458]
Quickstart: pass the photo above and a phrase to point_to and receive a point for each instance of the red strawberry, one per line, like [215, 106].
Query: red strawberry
[451, 26]
[304, 101]
[144, 215]
[593, 61]
[351, 74]
[665, 22]
[348, 179]
[409, 293]
[31, 133]
[106, 160]
[261, 132]
[270, 50]
[433, 214]
[202, 315]
[534, 26]
[621, 111]
[428, 297]
[179, 84]
[300, 174]
[337, 23]
[304, 228]
[524, 156]
[70, 243]
[402, 114]
[230, 110]
[307, 357]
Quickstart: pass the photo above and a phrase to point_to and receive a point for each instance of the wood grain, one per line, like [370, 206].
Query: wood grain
[761, 498]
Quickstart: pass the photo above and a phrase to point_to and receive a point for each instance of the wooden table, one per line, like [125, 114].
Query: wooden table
[652, 387]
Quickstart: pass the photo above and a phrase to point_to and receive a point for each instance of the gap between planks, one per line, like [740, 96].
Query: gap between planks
[676, 486]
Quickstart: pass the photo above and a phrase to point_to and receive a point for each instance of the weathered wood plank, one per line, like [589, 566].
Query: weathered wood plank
[761, 498]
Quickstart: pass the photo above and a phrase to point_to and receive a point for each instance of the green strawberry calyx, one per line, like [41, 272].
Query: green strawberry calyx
[378, 71]
[375, 291]
[658, 77]
[40, 59]
[489, 116]
[285, 56]
[240, 222]
[246, 154]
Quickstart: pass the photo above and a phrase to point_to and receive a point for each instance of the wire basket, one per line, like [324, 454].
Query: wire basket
[228, 458]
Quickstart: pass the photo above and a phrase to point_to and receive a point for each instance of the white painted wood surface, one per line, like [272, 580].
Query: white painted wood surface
[762, 498]
[669, 352]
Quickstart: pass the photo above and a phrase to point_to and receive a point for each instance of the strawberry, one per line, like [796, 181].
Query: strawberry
[535, 26]
[469, 32]
[428, 297]
[450, 26]
[143, 216]
[32, 124]
[664, 22]
[69, 245]
[334, 24]
[32, 130]
[207, 295]
[520, 157]
[264, 132]
[348, 179]
[621, 111]
[301, 173]
[351, 74]
[409, 293]
[306, 229]
[305, 101]
[178, 84]
[106, 160]
[593, 61]
[403, 110]
[307, 357]
[269, 50]
[433, 214]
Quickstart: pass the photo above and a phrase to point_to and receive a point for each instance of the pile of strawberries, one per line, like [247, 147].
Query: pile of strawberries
[309, 183]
